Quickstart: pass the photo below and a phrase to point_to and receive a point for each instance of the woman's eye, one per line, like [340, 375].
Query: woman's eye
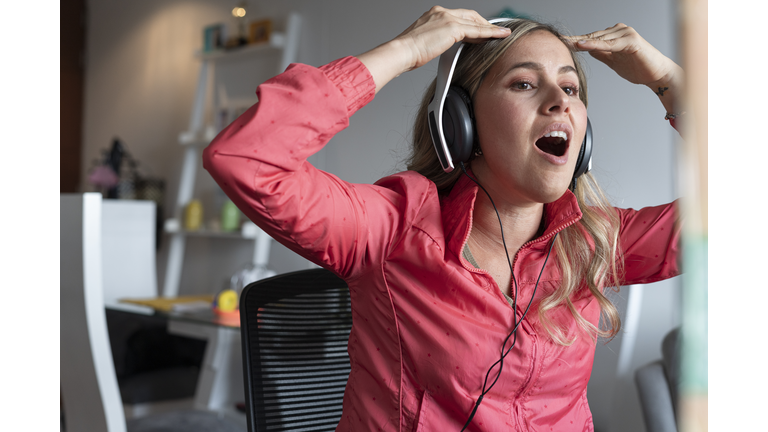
[571, 91]
[522, 85]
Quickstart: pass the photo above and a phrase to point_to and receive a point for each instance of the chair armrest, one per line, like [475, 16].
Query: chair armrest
[655, 398]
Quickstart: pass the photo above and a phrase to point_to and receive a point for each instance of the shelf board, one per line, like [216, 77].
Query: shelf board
[199, 139]
[195, 142]
[214, 234]
[247, 232]
[276, 42]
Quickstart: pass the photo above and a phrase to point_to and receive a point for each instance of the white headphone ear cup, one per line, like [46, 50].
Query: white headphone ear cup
[459, 124]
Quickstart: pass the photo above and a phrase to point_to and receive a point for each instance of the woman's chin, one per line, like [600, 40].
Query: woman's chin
[552, 195]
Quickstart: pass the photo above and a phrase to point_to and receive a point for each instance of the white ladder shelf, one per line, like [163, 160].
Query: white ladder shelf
[200, 135]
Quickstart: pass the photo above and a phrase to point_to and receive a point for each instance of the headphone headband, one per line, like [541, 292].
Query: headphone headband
[445, 68]
[446, 65]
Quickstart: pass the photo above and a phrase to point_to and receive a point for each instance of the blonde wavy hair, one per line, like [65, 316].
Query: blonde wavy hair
[580, 263]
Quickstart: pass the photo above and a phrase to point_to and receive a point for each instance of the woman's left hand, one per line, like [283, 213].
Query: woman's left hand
[629, 55]
[634, 59]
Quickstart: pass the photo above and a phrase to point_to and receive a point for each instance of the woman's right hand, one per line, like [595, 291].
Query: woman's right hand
[431, 35]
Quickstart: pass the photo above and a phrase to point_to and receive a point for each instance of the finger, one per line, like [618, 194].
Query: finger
[470, 31]
[441, 14]
[478, 19]
[615, 41]
[474, 26]
[470, 15]
[479, 34]
[610, 32]
[598, 45]
[439, 25]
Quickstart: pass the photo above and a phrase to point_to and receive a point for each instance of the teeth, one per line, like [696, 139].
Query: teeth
[559, 134]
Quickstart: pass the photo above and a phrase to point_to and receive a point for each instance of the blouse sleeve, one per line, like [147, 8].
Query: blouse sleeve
[260, 161]
[649, 239]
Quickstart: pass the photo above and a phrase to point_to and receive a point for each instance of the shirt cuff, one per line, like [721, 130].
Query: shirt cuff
[354, 81]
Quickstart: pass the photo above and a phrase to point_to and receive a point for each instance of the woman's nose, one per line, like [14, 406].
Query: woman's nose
[556, 100]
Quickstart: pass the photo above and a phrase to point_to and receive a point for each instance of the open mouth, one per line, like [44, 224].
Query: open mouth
[554, 143]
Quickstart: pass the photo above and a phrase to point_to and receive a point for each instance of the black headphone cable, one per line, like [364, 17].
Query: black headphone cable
[515, 323]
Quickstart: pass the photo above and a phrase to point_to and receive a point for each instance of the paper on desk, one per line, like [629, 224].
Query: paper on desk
[192, 306]
[168, 304]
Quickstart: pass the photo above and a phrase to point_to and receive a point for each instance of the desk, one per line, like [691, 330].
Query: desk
[220, 384]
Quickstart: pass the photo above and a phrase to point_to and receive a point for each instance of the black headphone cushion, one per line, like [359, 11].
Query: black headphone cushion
[459, 124]
[579, 160]
[585, 152]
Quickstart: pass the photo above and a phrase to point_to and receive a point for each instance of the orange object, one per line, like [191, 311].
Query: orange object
[228, 318]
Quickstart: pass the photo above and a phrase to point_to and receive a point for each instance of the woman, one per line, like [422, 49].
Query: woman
[434, 295]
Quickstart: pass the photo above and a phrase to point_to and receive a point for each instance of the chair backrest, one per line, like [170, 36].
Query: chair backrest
[657, 387]
[670, 353]
[128, 249]
[294, 331]
[88, 381]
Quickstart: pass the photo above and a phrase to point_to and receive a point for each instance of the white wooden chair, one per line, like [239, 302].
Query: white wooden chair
[128, 230]
[89, 387]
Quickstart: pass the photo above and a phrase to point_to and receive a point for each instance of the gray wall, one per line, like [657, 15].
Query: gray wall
[141, 77]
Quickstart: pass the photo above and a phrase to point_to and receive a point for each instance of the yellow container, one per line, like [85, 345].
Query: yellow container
[193, 215]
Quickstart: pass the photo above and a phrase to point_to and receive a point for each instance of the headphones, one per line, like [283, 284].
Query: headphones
[452, 122]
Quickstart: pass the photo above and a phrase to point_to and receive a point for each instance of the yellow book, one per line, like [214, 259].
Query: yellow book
[166, 304]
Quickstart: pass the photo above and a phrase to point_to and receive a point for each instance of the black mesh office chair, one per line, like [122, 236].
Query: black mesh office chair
[294, 331]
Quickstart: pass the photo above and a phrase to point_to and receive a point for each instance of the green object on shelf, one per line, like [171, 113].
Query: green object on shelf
[230, 217]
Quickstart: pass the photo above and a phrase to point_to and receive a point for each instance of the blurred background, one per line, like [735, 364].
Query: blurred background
[129, 71]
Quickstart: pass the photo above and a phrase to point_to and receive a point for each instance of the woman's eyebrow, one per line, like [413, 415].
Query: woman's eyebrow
[538, 66]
